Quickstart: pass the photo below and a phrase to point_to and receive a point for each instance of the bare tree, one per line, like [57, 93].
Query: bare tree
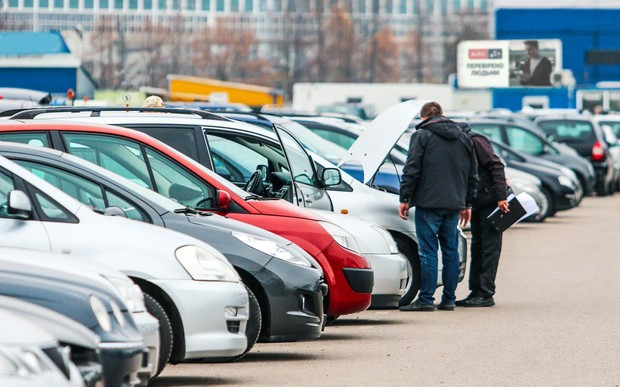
[340, 47]
[386, 62]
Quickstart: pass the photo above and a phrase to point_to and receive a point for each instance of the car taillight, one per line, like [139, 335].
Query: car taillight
[598, 151]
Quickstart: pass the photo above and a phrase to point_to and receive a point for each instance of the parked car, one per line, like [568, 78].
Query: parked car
[560, 191]
[348, 274]
[26, 352]
[610, 125]
[286, 293]
[525, 182]
[587, 138]
[92, 276]
[529, 141]
[183, 279]
[79, 359]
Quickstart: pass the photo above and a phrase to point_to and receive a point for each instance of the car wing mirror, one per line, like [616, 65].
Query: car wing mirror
[223, 200]
[331, 177]
[19, 205]
[114, 211]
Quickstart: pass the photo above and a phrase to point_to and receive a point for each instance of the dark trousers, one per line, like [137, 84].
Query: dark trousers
[486, 247]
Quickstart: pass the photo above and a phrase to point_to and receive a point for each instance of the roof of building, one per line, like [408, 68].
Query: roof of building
[32, 43]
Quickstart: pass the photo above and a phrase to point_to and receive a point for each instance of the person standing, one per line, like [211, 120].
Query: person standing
[486, 241]
[439, 179]
[537, 68]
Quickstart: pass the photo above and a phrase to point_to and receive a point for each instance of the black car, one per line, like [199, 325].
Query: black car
[526, 140]
[88, 302]
[587, 138]
[287, 293]
[561, 192]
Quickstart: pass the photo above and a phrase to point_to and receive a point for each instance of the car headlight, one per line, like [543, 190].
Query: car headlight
[130, 293]
[388, 239]
[565, 181]
[201, 265]
[342, 237]
[272, 248]
[116, 311]
[101, 313]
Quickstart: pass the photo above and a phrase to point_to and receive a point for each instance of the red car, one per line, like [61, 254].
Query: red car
[157, 166]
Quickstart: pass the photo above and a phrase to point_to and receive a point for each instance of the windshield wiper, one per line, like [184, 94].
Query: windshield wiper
[192, 211]
[253, 197]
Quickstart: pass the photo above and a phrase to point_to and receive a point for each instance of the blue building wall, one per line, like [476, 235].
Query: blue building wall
[52, 80]
[512, 98]
[579, 29]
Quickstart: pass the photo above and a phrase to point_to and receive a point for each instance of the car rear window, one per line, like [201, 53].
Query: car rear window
[569, 131]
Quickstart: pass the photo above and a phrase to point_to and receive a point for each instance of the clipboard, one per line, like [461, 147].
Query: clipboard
[521, 206]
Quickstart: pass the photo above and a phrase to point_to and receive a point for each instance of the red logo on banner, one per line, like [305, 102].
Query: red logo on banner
[478, 53]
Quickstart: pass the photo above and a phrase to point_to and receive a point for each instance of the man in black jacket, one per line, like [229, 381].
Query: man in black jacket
[486, 241]
[439, 179]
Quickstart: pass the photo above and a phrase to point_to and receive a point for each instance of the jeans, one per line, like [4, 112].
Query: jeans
[433, 226]
[486, 247]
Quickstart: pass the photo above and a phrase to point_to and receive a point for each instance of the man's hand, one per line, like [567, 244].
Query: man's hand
[503, 206]
[403, 210]
[465, 216]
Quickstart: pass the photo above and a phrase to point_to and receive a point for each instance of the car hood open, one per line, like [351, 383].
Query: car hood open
[372, 147]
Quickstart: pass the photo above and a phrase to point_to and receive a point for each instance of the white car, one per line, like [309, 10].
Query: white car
[184, 280]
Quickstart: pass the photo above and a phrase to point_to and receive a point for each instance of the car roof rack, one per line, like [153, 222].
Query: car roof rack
[29, 114]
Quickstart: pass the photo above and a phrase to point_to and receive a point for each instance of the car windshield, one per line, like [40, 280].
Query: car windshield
[614, 125]
[315, 143]
[572, 131]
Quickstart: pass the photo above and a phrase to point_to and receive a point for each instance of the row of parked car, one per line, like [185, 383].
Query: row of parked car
[150, 236]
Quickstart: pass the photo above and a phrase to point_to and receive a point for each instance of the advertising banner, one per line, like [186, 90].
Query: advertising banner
[508, 63]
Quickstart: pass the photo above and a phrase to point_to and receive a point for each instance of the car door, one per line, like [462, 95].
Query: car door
[14, 232]
[307, 184]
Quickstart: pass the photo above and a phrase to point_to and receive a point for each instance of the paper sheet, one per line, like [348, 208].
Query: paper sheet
[527, 202]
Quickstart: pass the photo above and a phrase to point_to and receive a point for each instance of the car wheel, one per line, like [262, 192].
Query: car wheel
[252, 329]
[544, 208]
[601, 188]
[551, 211]
[413, 269]
[166, 336]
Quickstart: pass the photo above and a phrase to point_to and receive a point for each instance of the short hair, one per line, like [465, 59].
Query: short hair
[531, 43]
[431, 109]
[153, 101]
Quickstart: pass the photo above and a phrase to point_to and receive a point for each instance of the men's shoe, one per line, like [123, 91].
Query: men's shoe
[446, 306]
[417, 306]
[476, 302]
[462, 302]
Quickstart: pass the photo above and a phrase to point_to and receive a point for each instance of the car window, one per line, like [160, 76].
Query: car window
[86, 191]
[237, 157]
[50, 210]
[569, 131]
[492, 131]
[524, 141]
[6, 186]
[175, 182]
[30, 138]
[615, 126]
[117, 155]
[341, 139]
[300, 163]
[182, 139]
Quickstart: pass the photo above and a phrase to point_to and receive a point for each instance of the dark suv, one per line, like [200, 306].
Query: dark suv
[587, 138]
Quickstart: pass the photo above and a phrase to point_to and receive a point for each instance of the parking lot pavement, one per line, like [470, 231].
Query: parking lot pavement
[556, 322]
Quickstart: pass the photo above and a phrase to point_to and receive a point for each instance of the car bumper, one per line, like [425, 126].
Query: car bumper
[121, 362]
[390, 279]
[566, 198]
[209, 330]
[350, 281]
[295, 296]
[149, 329]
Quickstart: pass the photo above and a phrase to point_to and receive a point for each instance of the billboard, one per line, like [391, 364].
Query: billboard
[508, 63]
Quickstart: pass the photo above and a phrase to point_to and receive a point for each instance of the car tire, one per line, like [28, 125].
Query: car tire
[413, 262]
[545, 209]
[252, 329]
[166, 335]
[601, 188]
[552, 208]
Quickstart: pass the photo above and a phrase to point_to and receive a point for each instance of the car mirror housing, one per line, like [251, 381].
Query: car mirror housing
[331, 177]
[223, 200]
[19, 205]
[115, 211]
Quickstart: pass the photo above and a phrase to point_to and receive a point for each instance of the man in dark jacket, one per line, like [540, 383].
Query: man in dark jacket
[486, 242]
[439, 179]
[537, 68]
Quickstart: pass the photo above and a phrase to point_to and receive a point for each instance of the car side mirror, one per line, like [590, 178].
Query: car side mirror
[19, 205]
[223, 200]
[331, 177]
[115, 211]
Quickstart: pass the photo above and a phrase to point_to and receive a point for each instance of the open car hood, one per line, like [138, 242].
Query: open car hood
[373, 146]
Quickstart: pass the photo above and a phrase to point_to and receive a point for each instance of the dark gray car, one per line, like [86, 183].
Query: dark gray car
[286, 283]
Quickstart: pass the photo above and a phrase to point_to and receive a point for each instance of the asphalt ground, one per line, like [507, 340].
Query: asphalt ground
[556, 323]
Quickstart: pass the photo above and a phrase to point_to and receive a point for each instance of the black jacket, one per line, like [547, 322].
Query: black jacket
[491, 177]
[541, 75]
[440, 172]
